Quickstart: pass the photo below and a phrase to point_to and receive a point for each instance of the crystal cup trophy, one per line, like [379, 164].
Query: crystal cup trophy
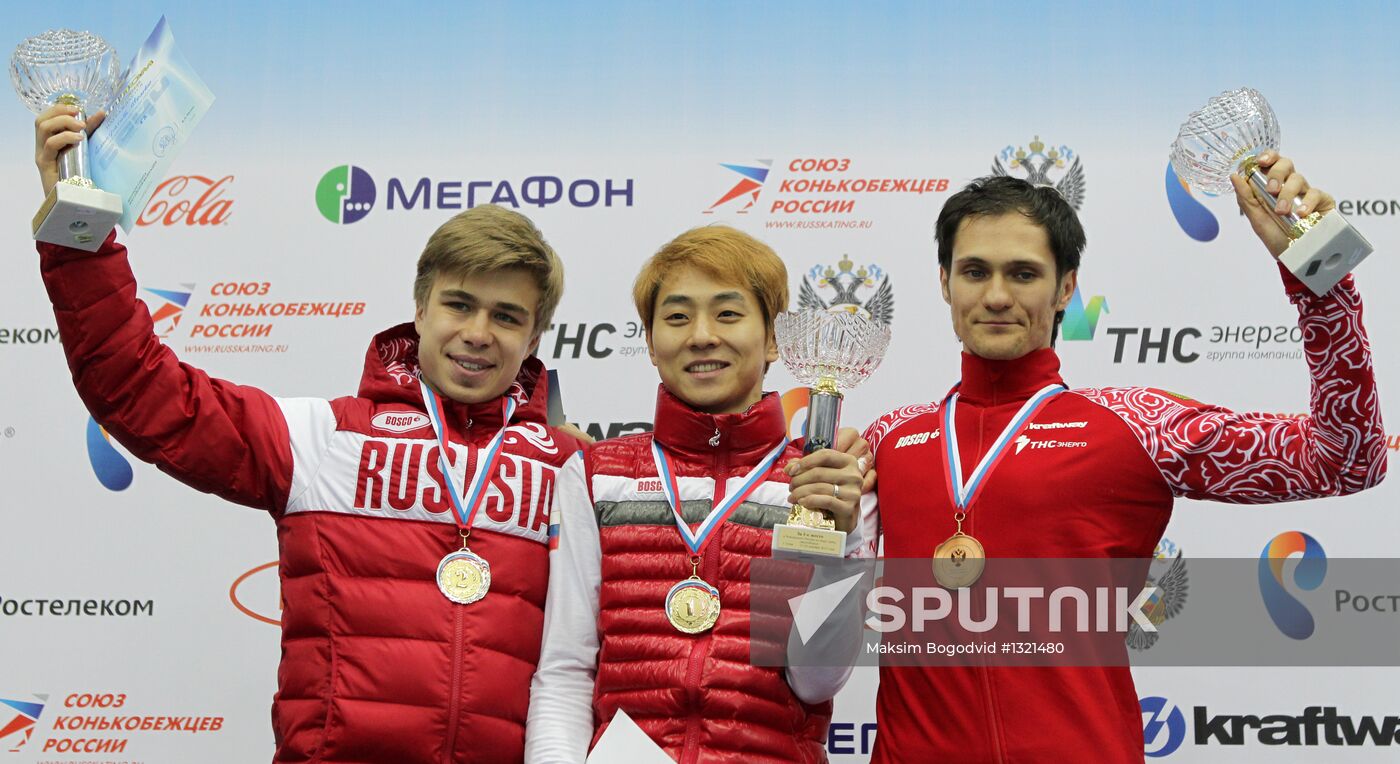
[78, 69]
[1227, 136]
[827, 352]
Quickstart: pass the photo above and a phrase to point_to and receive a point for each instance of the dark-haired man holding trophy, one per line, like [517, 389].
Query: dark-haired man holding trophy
[1008, 257]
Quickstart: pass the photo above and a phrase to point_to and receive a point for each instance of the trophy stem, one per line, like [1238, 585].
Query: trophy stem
[813, 530]
[1291, 224]
[823, 418]
[73, 160]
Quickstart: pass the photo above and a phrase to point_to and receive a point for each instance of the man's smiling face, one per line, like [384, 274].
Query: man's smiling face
[1002, 287]
[475, 331]
[710, 342]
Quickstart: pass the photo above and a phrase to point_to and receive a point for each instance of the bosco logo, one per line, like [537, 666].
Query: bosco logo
[345, 194]
[192, 200]
[112, 469]
[1289, 615]
[1163, 726]
[258, 594]
[399, 421]
[1190, 214]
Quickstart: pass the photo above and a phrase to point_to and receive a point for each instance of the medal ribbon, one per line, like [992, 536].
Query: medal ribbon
[697, 540]
[962, 492]
[486, 463]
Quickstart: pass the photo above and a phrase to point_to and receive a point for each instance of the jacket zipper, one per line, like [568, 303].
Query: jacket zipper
[700, 650]
[454, 702]
[990, 708]
[989, 704]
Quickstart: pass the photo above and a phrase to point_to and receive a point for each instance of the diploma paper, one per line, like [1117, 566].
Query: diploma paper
[155, 111]
[623, 740]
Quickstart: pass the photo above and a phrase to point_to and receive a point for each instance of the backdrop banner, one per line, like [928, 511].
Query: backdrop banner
[139, 619]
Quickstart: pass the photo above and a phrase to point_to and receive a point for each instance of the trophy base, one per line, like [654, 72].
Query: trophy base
[801, 539]
[77, 217]
[1328, 251]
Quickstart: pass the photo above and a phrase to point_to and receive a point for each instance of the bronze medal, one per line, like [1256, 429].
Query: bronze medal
[958, 562]
[692, 606]
[464, 577]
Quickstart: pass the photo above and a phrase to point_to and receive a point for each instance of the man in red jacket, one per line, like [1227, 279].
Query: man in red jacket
[412, 518]
[1008, 255]
[647, 520]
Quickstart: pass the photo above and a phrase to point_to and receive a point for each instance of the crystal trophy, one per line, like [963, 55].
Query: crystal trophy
[828, 351]
[1227, 136]
[78, 69]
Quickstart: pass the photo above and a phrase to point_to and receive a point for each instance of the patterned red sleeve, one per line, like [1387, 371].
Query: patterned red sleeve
[888, 422]
[1208, 452]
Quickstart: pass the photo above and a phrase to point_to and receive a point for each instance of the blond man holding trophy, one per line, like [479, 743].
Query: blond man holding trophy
[648, 611]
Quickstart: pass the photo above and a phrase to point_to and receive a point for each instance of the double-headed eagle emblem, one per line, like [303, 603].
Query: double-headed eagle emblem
[1037, 164]
[1168, 574]
[846, 280]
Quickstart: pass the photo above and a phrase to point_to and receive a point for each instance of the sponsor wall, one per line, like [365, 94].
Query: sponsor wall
[140, 614]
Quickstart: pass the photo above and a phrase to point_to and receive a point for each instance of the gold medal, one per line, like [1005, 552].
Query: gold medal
[463, 576]
[692, 606]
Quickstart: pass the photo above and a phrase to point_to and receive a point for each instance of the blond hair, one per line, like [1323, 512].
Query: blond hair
[492, 238]
[726, 254]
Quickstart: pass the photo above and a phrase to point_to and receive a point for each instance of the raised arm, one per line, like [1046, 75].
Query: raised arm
[213, 435]
[1208, 452]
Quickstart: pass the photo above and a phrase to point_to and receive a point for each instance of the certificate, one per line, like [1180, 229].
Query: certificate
[156, 109]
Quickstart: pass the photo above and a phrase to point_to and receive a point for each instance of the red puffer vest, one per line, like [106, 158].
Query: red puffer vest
[697, 695]
[377, 666]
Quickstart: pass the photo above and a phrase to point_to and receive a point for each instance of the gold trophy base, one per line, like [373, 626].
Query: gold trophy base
[809, 532]
[1325, 251]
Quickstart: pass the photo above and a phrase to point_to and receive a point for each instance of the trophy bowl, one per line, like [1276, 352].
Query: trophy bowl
[1217, 139]
[1224, 138]
[63, 62]
[830, 348]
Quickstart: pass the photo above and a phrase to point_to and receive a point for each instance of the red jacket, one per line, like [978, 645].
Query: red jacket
[377, 666]
[1096, 480]
[696, 695]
